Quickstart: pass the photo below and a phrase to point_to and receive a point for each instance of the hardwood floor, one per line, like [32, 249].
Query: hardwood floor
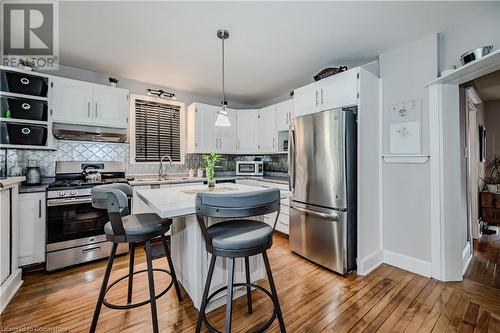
[312, 299]
[484, 267]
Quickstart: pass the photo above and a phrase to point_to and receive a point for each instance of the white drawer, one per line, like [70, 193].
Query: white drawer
[285, 201]
[282, 227]
[284, 210]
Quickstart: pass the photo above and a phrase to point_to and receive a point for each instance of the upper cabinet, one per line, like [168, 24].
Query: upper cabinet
[333, 92]
[226, 136]
[284, 114]
[267, 129]
[84, 103]
[246, 124]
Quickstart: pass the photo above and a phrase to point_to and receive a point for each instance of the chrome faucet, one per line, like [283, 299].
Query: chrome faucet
[160, 170]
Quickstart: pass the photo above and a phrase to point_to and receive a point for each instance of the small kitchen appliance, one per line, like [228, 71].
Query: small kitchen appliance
[249, 168]
[33, 175]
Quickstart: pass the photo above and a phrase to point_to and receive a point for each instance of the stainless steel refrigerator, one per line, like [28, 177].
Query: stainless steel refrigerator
[323, 181]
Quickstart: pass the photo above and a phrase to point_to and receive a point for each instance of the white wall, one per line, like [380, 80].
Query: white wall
[492, 124]
[136, 87]
[406, 187]
[481, 28]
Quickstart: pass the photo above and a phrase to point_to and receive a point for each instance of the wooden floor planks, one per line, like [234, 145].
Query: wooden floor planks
[312, 299]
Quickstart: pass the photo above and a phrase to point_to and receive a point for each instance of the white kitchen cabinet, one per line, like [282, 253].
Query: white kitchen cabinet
[339, 90]
[247, 124]
[226, 136]
[83, 103]
[110, 106]
[284, 114]
[204, 136]
[333, 92]
[32, 226]
[267, 129]
[72, 101]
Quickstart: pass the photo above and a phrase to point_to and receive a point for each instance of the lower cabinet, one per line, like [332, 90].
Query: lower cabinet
[32, 228]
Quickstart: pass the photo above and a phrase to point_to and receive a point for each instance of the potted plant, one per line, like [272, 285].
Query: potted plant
[492, 169]
[210, 163]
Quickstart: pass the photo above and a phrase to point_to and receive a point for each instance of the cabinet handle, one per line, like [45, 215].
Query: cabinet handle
[88, 109]
[96, 109]
[39, 208]
[321, 95]
[238, 144]
[316, 98]
[220, 143]
[273, 141]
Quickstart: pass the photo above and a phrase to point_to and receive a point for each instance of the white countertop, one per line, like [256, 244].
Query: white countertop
[175, 202]
[10, 181]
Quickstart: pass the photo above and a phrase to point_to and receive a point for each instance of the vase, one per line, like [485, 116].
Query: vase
[493, 188]
[211, 183]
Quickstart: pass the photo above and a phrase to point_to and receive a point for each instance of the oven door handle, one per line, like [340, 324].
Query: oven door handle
[67, 201]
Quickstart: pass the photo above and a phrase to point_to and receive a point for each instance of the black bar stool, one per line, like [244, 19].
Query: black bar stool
[239, 238]
[131, 229]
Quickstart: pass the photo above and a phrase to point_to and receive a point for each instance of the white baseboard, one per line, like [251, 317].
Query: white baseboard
[407, 263]
[466, 257]
[370, 262]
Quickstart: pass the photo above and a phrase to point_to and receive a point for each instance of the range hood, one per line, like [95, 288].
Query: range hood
[88, 133]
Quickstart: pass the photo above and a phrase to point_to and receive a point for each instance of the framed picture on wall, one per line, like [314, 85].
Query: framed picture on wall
[482, 143]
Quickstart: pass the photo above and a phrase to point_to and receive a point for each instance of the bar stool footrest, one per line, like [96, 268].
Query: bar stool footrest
[253, 285]
[136, 305]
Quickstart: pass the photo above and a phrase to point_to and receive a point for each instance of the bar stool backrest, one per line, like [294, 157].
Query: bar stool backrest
[235, 205]
[115, 199]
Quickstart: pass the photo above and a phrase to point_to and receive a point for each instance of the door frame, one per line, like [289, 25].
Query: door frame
[447, 198]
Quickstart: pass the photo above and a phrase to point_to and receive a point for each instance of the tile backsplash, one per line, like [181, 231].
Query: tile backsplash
[97, 151]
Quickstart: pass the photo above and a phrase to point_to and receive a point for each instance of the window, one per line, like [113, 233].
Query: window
[156, 130]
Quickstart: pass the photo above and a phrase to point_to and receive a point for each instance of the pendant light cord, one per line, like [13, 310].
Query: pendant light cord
[223, 74]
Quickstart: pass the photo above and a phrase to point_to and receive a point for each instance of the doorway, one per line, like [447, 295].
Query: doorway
[480, 106]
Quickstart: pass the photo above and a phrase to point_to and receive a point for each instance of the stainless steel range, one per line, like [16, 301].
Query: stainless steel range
[75, 229]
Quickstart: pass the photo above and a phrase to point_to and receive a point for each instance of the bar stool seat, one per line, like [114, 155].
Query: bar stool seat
[235, 235]
[138, 228]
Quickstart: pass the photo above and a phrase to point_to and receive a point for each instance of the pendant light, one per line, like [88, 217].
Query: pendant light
[222, 118]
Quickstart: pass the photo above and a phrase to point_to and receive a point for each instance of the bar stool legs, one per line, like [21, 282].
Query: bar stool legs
[131, 272]
[204, 300]
[171, 266]
[154, 316]
[229, 299]
[274, 293]
[249, 289]
[104, 285]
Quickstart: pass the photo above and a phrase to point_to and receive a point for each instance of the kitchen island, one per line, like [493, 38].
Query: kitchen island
[191, 260]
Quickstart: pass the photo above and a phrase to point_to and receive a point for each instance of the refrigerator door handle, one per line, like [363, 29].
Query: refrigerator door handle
[331, 217]
[291, 163]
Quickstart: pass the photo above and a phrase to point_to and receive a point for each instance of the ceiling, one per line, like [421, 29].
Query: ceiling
[488, 87]
[274, 46]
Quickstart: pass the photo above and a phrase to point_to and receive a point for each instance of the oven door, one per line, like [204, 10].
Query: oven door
[71, 219]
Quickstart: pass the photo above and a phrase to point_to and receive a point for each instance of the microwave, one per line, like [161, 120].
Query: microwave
[249, 168]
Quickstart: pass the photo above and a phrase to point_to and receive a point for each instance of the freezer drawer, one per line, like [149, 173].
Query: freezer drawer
[319, 235]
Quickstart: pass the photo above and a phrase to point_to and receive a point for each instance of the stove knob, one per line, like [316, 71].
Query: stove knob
[62, 194]
[72, 193]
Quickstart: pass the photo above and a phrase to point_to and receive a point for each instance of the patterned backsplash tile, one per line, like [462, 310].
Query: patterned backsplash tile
[96, 151]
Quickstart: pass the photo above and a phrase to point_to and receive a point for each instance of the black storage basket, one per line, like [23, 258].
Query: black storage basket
[23, 108]
[26, 84]
[24, 134]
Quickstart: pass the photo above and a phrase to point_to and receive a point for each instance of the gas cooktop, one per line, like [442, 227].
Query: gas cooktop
[68, 184]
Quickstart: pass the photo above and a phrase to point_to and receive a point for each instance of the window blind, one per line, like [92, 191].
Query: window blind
[157, 131]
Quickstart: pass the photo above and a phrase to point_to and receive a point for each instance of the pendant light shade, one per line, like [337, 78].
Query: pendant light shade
[222, 118]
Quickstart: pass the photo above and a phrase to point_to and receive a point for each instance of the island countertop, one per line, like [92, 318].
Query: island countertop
[180, 201]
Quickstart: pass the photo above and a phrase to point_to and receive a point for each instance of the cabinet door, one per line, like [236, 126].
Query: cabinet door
[206, 138]
[339, 90]
[72, 101]
[5, 231]
[267, 129]
[31, 228]
[284, 111]
[110, 106]
[306, 100]
[226, 136]
[247, 123]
